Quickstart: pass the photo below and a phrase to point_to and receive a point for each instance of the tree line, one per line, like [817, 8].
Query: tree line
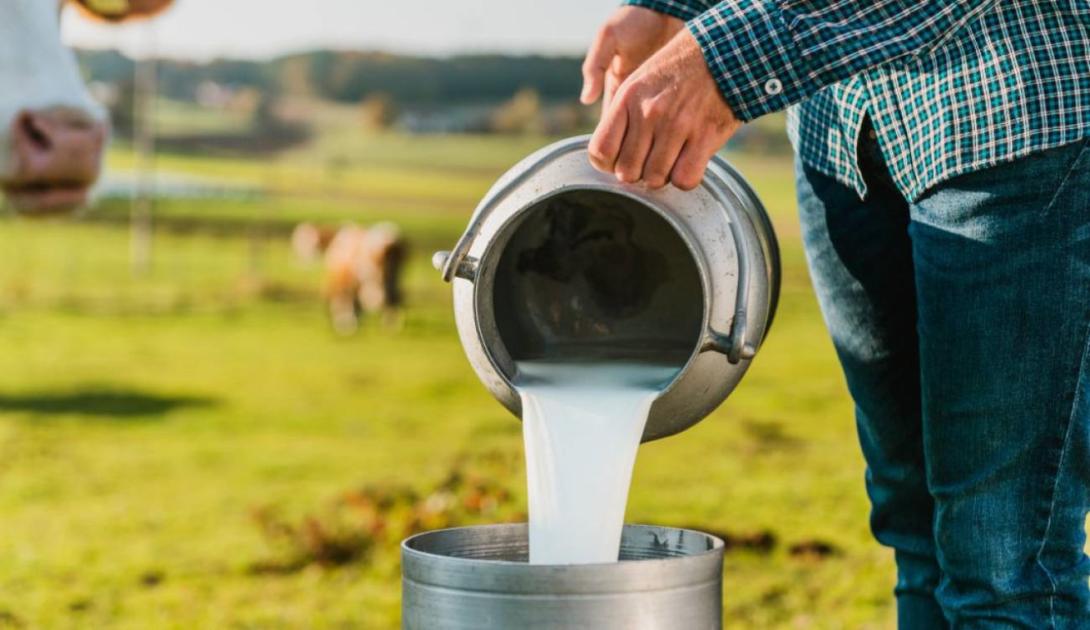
[352, 76]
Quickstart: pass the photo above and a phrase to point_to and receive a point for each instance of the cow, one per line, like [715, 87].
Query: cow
[310, 241]
[362, 269]
[52, 134]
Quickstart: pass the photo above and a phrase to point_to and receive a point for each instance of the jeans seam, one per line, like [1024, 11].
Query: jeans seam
[1062, 186]
[1080, 377]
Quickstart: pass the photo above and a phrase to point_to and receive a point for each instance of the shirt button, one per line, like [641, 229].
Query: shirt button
[773, 87]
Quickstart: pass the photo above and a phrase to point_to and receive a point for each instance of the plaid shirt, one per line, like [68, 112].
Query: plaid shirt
[951, 86]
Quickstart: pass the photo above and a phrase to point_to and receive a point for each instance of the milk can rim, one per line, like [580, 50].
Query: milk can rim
[648, 201]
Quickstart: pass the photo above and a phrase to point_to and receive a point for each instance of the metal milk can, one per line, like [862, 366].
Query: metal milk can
[562, 262]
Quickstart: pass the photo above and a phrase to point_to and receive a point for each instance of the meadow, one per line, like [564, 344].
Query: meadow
[177, 447]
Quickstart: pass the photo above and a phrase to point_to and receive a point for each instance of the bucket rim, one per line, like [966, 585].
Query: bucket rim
[716, 547]
[702, 568]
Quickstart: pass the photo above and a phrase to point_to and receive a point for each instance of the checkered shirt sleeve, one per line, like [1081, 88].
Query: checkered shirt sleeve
[681, 9]
[951, 86]
[768, 54]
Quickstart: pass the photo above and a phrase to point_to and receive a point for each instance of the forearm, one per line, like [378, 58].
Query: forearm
[768, 54]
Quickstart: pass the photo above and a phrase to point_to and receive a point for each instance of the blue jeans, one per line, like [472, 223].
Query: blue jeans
[962, 322]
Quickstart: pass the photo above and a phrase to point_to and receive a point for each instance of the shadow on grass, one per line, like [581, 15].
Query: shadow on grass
[99, 402]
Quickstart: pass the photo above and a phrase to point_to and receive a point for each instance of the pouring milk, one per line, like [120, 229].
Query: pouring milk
[582, 423]
[560, 262]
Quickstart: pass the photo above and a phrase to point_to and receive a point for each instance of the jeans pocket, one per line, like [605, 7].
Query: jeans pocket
[1080, 163]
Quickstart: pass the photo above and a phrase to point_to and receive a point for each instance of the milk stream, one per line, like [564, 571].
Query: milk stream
[582, 424]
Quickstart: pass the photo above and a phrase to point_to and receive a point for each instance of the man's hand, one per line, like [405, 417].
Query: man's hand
[626, 40]
[666, 121]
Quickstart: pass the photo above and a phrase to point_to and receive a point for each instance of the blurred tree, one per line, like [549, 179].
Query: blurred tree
[521, 114]
[123, 108]
[294, 77]
[570, 118]
[350, 77]
[246, 101]
[266, 116]
[378, 112]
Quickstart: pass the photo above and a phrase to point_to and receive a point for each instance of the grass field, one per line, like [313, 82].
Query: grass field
[144, 420]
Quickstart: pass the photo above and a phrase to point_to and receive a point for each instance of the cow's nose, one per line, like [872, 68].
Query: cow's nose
[57, 156]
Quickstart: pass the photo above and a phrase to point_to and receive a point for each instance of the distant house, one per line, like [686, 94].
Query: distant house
[453, 119]
[214, 95]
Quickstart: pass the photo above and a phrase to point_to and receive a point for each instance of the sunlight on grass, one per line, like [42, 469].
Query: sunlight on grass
[143, 419]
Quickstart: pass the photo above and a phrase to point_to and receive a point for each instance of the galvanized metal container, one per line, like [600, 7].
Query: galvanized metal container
[562, 262]
[477, 578]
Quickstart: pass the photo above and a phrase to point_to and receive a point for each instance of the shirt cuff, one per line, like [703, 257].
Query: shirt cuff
[681, 9]
[751, 54]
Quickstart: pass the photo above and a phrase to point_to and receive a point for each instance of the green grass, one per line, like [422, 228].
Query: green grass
[143, 419]
[177, 117]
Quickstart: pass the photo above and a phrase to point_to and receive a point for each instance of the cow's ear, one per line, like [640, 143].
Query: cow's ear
[121, 10]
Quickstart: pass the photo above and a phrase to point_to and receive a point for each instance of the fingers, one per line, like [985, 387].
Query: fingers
[640, 146]
[619, 70]
[689, 169]
[634, 148]
[665, 120]
[596, 64]
[665, 150]
[612, 83]
[606, 142]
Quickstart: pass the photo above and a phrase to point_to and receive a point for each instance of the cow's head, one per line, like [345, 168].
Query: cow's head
[52, 133]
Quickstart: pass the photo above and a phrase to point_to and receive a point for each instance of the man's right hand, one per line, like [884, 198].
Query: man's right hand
[628, 38]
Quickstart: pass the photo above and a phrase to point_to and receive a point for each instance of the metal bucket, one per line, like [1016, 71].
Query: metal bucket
[477, 578]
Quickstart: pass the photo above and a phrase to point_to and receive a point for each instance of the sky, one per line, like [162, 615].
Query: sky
[254, 29]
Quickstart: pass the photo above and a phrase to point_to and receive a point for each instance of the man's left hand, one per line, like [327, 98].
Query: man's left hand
[666, 121]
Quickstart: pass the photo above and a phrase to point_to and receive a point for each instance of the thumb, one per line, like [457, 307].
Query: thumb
[596, 64]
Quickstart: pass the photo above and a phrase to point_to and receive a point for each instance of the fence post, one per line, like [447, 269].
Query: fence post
[145, 88]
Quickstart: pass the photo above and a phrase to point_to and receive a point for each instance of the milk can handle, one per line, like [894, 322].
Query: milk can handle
[734, 343]
[457, 262]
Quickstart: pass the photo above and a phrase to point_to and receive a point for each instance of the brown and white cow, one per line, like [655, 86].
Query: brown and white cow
[52, 133]
[362, 269]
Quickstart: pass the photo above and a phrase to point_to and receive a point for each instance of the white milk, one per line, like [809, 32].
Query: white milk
[582, 424]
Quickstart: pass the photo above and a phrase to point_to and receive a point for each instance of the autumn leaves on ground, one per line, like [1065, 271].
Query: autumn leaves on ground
[192, 447]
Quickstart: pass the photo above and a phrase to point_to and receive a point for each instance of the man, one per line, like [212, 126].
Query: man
[944, 189]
